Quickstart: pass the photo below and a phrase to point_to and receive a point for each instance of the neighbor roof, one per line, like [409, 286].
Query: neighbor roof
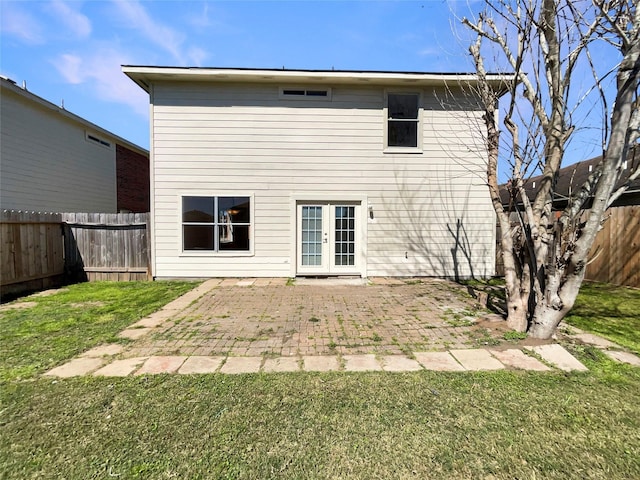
[10, 85]
[572, 177]
[145, 75]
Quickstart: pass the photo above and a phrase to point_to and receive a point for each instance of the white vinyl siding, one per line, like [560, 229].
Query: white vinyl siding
[48, 163]
[432, 214]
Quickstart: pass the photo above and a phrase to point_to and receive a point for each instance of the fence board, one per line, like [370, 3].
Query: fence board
[30, 243]
[616, 250]
[38, 250]
[110, 246]
[615, 254]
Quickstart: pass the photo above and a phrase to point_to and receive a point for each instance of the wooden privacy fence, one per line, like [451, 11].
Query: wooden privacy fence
[45, 249]
[615, 254]
[31, 252]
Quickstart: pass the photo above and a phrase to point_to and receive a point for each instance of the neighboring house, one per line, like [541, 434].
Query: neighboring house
[572, 177]
[287, 173]
[54, 161]
[615, 254]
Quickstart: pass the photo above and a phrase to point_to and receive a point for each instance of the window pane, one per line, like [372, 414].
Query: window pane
[197, 209]
[403, 134]
[197, 237]
[403, 106]
[233, 237]
[234, 209]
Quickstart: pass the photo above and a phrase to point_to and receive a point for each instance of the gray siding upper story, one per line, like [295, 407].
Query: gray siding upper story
[52, 160]
[424, 213]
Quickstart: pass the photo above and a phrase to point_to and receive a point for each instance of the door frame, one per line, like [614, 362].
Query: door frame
[361, 204]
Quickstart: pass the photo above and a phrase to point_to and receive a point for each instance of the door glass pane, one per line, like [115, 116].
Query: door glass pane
[311, 235]
[345, 236]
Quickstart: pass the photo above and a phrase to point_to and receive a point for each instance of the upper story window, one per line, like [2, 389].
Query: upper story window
[216, 224]
[403, 120]
[305, 93]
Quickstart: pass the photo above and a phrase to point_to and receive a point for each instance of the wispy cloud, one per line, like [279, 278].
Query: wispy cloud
[16, 22]
[197, 56]
[101, 71]
[161, 35]
[429, 51]
[75, 21]
[201, 20]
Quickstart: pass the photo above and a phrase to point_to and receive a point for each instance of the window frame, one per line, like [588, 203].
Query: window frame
[419, 122]
[215, 224]
[306, 96]
[95, 139]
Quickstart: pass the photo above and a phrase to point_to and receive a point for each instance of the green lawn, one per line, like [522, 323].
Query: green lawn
[60, 326]
[609, 311]
[497, 425]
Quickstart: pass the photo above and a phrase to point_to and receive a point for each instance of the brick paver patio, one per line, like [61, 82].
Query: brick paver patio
[267, 317]
[251, 325]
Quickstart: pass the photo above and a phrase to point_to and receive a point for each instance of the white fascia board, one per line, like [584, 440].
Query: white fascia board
[145, 75]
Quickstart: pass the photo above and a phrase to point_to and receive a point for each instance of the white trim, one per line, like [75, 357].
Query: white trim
[420, 133]
[305, 93]
[211, 253]
[145, 75]
[332, 198]
[152, 185]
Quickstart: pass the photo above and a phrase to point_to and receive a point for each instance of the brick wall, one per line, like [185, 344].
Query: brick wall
[132, 171]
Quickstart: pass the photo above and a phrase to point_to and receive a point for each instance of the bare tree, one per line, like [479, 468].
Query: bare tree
[548, 45]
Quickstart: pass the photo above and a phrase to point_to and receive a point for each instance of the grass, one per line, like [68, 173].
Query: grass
[513, 335]
[499, 425]
[366, 425]
[77, 318]
[609, 311]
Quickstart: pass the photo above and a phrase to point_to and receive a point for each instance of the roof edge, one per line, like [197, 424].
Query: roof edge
[145, 75]
[11, 85]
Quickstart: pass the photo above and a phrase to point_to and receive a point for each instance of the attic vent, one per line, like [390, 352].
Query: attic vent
[94, 139]
[305, 93]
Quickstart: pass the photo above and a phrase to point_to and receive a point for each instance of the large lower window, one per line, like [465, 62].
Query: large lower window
[403, 119]
[216, 224]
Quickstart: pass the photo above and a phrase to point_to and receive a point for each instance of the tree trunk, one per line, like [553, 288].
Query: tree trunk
[545, 322]
[554, 307]
[517, 311]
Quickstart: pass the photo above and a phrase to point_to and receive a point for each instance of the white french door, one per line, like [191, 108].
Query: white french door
[327, 238]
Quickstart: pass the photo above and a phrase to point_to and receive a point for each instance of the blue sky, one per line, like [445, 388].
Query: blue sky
[72, 50]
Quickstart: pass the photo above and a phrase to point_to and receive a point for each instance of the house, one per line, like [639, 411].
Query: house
[615, 253]
[284, 173]
[55, 161]
[572, 177]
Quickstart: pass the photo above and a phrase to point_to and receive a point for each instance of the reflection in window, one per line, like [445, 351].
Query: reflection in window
[216, 223]
[403, 120]
[345, 236]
